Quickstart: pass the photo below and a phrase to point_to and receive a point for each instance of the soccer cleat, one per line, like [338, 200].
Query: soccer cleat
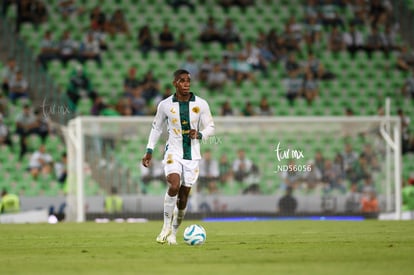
[171, 240]
[162, 237]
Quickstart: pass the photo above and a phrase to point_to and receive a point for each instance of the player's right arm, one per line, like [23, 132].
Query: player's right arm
[156, 131]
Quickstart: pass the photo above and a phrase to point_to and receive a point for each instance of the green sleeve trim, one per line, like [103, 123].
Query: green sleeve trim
[149, 151]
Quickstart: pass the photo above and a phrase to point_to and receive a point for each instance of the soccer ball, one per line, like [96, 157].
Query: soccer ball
[195, 235]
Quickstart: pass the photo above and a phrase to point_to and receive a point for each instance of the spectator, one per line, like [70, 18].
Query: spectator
[225, 169]
[43, 128]
[407, 89]
[227, 67]
[113, 203]
[205, 68]
[5, 134]
[61, 169]
[242, 69]
[90, 50]
[182, 44]
[26, 124]
[229, 33]
[98, 106]
[241, 166]
[336, 41]
[191, 66]
[377, 12]
[226, 109]
[359, 19]
[405, 130]
[176, 4]
[18, 87]
[99, 35]
[242, 4]
[216, 78]
[360, 170]
[314, 66]
[291, 65]
[40, 162]
[48, 49]
[329, 14]
[124, 107]
[154, 172]
[353, 199]
[275, 44]
[294, 87]
[287, 204]
[4, 105]
[31, 11]
[68, 48]
[151, 86]
[313, 32]
[319, 161]
[405, 60]
[68, 7]
[138, 102]
[166, 39]
[209, 173]
[310, 88]
[9, 203]
[118, 24]
[290, 41]
[312, 178]
[389, 40]
[290, 177]
[145, 42]
[79, 85]
[354, 41]
[167, 93]
[98, 19]
[350, 157]
[254, 58]
[8, 73]
[264, 107]
[408, 194]
[131, 81]
[369, 203]
[209, 31]
[332, 177]
[374, 42]
[248, 109]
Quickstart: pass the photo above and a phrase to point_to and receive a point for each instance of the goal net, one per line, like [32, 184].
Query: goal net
[320, 158]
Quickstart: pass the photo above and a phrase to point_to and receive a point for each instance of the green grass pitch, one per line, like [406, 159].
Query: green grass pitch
[263, 247]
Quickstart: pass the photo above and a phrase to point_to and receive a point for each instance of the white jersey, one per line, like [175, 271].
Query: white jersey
[181, 117]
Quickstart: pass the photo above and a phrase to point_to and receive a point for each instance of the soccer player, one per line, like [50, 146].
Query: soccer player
[188, 120]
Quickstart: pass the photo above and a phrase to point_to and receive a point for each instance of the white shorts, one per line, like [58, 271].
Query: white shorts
[187, 169]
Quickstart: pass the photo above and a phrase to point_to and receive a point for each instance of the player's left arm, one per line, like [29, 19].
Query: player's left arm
[207, 123]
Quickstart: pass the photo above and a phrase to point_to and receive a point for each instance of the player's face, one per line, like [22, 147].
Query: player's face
[182, 84]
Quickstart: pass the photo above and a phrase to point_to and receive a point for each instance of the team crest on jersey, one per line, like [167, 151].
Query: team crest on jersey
[196, 109]
[172, 110]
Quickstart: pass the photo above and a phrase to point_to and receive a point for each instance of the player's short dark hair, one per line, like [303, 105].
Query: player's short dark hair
[179, 72]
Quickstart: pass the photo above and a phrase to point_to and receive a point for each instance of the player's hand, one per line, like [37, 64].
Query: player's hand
[193, 134]
[146, 160]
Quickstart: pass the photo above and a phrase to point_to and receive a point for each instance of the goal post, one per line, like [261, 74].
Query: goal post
[93, 142]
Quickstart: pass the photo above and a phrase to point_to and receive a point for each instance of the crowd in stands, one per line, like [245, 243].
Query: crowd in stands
[295, 49]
